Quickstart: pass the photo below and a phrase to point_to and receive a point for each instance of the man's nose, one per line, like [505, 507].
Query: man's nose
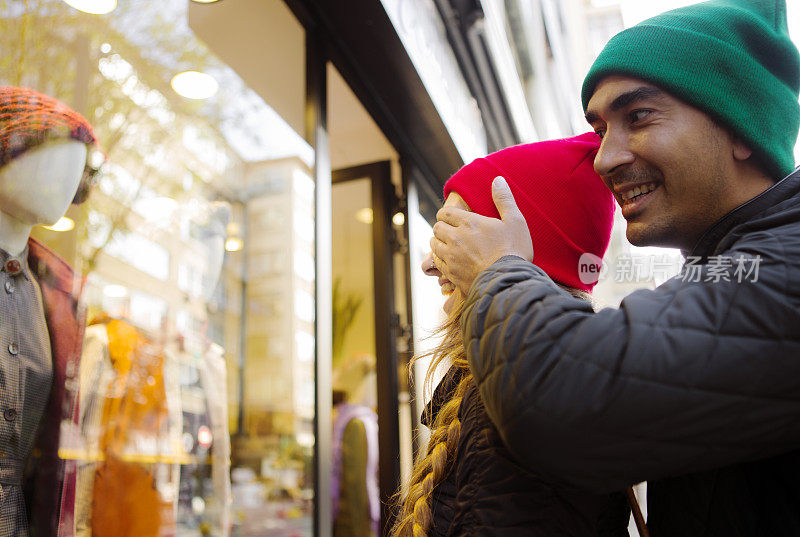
[428, 267]
[614, 152]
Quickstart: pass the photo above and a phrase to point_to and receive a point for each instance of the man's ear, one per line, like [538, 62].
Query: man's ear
[741, 151]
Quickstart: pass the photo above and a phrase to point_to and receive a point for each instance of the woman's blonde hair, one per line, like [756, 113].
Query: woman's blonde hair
[416, 517]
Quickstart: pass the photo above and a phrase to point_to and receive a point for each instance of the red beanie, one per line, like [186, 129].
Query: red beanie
[568, 208]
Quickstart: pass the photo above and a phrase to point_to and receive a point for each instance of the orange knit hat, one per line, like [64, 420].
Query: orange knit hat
[29, 118]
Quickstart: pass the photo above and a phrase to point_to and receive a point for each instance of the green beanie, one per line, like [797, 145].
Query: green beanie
[732, 59]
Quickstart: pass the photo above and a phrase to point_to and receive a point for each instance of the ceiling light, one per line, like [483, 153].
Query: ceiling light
[364, 215]
[234, 244]
[63, 224]
[204, 1]
[399, 219]
[194, 85]
[94, 7]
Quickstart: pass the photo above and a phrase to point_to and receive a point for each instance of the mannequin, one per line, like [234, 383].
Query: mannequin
[202, 366]
[125, 486]
[43, 150]
[153, 416]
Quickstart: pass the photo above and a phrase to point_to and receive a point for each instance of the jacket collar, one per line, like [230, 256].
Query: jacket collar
[784, 189]
[51, 270]
[442, 394]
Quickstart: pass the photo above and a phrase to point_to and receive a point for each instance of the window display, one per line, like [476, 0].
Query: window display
[162, 331]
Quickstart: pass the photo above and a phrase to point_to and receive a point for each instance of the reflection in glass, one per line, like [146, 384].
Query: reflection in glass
[195, 387]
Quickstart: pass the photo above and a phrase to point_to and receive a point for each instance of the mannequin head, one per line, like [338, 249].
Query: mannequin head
[43, 155]
[37, 188]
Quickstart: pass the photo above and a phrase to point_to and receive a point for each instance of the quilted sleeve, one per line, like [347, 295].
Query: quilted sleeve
[690, 376]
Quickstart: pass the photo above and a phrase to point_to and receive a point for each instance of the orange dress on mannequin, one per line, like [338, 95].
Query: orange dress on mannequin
[126, 501]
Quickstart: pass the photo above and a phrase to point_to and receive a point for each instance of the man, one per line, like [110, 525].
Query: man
[694, 386]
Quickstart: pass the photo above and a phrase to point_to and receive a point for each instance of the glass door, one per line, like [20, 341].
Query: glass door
[366, 466]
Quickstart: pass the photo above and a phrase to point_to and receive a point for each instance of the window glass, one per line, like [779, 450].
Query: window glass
[180, 303]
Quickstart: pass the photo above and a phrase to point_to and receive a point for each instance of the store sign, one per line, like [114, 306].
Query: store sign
[421, 30]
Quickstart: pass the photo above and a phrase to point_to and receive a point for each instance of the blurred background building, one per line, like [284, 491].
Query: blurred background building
[272, 171]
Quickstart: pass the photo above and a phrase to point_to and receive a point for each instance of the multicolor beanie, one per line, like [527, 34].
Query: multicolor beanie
[568, 209]
[732, 59]
[29, 118]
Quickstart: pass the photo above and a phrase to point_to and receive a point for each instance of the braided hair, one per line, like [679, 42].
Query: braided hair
[416, 517]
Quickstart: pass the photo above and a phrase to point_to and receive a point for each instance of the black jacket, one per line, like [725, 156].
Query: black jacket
[487, 494]
[694, 386]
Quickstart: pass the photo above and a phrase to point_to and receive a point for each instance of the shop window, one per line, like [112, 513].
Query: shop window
[194, 268]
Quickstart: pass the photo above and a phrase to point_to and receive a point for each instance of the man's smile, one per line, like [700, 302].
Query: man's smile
[633, 198]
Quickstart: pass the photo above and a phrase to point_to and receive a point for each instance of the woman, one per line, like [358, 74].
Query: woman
[468, 484]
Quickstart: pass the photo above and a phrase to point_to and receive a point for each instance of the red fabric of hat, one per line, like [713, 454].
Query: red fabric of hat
[568, 209]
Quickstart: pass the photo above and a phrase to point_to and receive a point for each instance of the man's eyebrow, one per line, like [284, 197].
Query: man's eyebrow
[639, 94]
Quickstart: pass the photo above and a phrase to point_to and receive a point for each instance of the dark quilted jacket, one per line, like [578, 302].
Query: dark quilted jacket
[487, 494]
[694, 386]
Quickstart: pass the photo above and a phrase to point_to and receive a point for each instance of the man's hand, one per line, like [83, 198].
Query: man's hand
[465, 243]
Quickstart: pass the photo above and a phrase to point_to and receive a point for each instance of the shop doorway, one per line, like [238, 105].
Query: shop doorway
[365, 336]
